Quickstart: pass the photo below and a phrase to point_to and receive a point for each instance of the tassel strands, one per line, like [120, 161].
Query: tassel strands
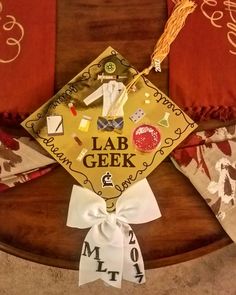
[173, 26]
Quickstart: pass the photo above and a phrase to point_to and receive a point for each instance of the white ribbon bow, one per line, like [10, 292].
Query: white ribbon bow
[111, 250]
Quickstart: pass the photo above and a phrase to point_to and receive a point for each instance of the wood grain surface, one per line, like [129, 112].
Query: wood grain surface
[33, 215]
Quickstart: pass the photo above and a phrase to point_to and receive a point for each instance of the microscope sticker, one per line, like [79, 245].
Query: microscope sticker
[107, 180]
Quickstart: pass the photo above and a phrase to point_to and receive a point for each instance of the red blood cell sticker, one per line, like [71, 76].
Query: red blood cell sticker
[146, 138]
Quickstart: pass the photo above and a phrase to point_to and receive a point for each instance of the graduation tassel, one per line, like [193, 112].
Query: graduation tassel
[173, 26]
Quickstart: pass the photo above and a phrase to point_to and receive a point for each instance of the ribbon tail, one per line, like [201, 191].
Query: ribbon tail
[101, 261]
[133, 269]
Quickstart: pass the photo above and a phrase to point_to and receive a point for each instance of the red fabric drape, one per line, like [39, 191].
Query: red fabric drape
[27, 56]
[202, 62]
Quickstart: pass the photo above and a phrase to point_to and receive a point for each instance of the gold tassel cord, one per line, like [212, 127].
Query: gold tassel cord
[173, 26]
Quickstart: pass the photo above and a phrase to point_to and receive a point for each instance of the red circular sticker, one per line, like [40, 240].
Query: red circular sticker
[146, 138]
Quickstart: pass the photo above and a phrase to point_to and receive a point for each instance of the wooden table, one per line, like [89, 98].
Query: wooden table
[33, 215]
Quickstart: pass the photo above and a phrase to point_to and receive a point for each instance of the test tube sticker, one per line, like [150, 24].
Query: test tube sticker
[82, 154]
[72, 108]
[76, 139]
[85, 123]
[147, 99]
[55, 125]
[133, 88]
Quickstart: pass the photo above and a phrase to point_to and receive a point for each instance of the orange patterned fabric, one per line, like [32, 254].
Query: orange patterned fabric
[27, 55]
[202, 62]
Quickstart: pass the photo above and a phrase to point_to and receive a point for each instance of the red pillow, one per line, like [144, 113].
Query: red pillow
[202, 62]
[27, 56]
